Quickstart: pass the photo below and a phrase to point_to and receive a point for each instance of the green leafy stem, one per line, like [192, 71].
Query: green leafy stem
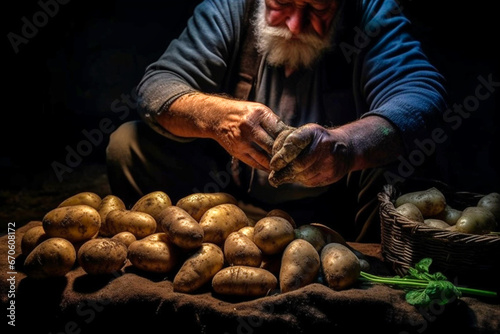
[423, 288]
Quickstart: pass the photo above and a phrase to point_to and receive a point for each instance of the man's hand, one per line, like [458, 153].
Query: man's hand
[311, 155]
[247, 131]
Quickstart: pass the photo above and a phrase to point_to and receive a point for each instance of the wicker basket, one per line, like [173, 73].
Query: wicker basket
[466, 258]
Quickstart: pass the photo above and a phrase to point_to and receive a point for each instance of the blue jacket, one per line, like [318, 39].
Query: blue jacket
[376, 67]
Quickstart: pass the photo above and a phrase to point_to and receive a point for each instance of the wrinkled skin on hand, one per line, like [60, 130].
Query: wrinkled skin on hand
[310, 155]
[248, 132]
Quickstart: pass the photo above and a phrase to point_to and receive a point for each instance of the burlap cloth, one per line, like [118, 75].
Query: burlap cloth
[132, 301]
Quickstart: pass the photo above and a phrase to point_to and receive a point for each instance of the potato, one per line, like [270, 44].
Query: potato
[436, 223]
[239, 250]
[476, 220]
[152, 203]
[330, 234]
[282, 214]
[247, 231]
[102, 256]
[32, 238]
[273, 234]
[124, 237]
[220, 221]
[198, 203]
[199, 268]
[182, 229]
[155, 254]
[140, 224]
[75, 223]
[491, 202]
[430, 201]
[449, 215]
[84, 198]
[312, 234]
[410, 211]
[108, 204]
[244, 281]
[340, 266]
[300, 265]
[54, 257]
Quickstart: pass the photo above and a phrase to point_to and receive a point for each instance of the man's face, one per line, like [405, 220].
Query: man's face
[294, 33]
[302, 16]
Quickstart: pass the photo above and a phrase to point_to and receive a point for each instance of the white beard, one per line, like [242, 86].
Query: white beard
[281, 48]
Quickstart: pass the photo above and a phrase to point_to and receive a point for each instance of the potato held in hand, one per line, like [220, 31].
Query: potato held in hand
[102, 256]
[340, 266]
[75, 223]
[182, 229]
[53, 257]
[300, 265]
[199, 268]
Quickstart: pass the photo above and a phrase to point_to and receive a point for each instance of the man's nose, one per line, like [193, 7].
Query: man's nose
[295, 21]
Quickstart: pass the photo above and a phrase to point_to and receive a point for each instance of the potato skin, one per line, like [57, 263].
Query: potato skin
[313, 234]
[476, 220]
[198, 203]
[124, 237]
[340, 266]
[244, 281]
[282, 214]
[300, 265]
[75, 223]
[140, 224]
[152, 203]
[155, 254]
[32, 238]
[491, 202]
[430, 201]
[436, 223]
[182, 229]
[410, 211]
[239, 250]
[84, 198]
[449, 215]
[102, 256]
[108, 204]
[199, 268]
[273, 234]
[54, 257]
[220, 221]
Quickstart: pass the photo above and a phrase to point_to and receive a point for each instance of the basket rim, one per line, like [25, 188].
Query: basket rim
[386, 205]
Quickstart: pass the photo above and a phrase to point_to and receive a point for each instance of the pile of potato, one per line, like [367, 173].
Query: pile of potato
[205, 238]
[429, 207]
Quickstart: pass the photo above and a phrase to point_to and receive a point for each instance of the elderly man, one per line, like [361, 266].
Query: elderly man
[279, 102]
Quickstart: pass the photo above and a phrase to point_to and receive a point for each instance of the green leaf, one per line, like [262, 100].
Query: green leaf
[438, 292]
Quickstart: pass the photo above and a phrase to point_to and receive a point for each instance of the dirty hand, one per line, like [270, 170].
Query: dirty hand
[310, 155]
[247, 131]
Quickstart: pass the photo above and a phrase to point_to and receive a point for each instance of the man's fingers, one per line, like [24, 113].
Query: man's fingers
[292, 146]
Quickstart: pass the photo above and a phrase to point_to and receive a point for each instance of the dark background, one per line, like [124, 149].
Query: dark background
[81, 65]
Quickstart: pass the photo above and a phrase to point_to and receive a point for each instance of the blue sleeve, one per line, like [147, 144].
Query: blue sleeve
[396, 79]
[198, 60]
